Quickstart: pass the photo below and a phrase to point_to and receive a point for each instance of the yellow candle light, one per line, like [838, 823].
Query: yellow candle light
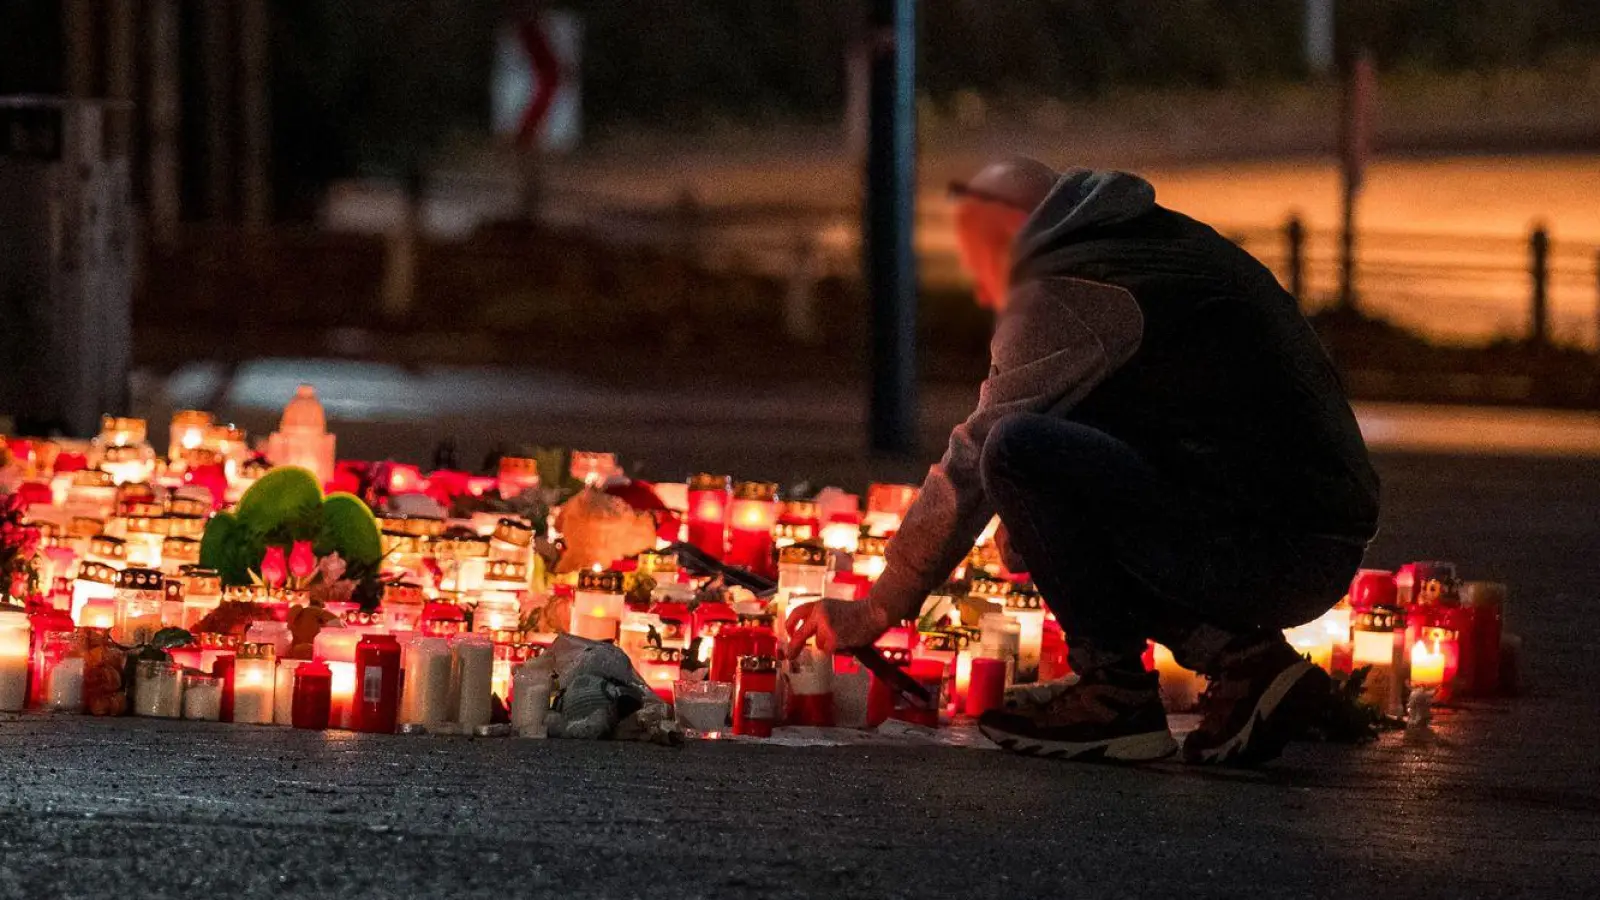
[15, 634]
[254, 684]
[1427, 665]
[597, 605]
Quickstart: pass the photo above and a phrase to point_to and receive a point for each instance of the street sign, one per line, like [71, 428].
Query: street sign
[535, 91]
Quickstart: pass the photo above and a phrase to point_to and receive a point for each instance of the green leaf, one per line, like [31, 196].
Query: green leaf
[169, 638]
[349, 528]
[285, 494]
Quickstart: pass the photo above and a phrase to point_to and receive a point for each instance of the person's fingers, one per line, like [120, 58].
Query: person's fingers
[798, 617]
[798, 637]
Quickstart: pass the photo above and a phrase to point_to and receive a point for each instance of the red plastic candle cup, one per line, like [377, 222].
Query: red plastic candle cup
[987, 688]
[377, 700]
[313, 695]
[1484, 605]
[753, 636]
[1372, 587]
[755, 696]
[751, 515]
[707, 516]
[223, 668]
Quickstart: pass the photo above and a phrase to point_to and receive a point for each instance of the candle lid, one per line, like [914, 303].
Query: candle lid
[764, 491]
[84, 526]
[1380, 618]
[758, 664]
[517, 532]
[187, 506]
[196, 457]
[605, 581]
[944, 640]
[313, 669]
[707, 482]
[505, 571]
[803, 555]
[190, 417]
[140, 508]
[673, 656]
[184, 526]
[92, 478]
[801, 509]
[97, 572]
[180, 549]
[396, 542]
[1024, 598]
[108, 546]
[257, 650]
[989, 587]
[462, 547]
[871, 545]
[140, 580]
[659, 561]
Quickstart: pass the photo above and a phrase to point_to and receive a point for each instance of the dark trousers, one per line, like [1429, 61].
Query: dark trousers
[1122, 555]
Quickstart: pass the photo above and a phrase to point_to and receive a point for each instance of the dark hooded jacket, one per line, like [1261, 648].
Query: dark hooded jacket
[1150, 326]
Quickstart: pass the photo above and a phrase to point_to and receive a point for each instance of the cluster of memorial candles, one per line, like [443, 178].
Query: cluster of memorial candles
[448, 640]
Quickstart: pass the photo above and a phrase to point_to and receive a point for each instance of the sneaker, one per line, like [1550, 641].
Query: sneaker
[1264, 696]
[1104, 718]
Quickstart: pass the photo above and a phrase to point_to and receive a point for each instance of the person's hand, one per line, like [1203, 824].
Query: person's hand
[836, 624]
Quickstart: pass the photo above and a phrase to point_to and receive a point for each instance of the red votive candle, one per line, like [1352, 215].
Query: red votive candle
[755, 696]
[752, 636]
[707, 516]
[222, 666]
[1484, 605]
[987, 688]
[1372, 587]
[377, 700]
[313, 696]
[750, 519]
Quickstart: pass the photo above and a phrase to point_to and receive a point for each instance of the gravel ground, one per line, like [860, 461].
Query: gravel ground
[1503, 799]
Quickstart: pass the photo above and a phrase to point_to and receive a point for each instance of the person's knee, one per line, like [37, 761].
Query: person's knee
[1012, 444]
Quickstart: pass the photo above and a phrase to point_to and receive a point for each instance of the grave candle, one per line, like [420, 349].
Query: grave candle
[1377, 642]
[517, 474]
[530, 699]
[188, 432]
[283, 691]
[202, 697]
[15, 643]
[96, 581]
[597, 605]
[707, 514]
[157, 689]
[1484, 603]
[428, 682]
[988, 686]
[660, 667]
[1427, 665]
[842, 532]
[1180, 687]
[254, 684]
[1026, 607]
[887, 505]
[313, 691]
[869, 560]
[803, 568]
[336, 647]
[751, 517]
[378, 672]
[139, 596]
[755, 701]
[474, 655]
[65, 690]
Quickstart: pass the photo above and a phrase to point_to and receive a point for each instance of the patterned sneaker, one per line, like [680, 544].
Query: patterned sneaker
[1264, 697]
[1106, 717]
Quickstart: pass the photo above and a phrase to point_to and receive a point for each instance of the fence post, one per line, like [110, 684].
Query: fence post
[1539, 272]
[1294, 234]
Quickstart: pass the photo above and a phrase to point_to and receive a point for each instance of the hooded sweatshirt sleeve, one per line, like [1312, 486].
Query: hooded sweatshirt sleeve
[1059, 338]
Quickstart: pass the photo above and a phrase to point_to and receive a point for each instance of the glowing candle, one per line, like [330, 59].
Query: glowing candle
[188, 432]
[842, 532]
[1025, 605]
[202, 697]
[803, 568]
[139, 595]
[202, 593]
[869, 561]
[427, 683]
[1427, 665]
[99, 614]
[707, 513]
[660, 668]
[1180, 688]
[402, 607]
[1376, 644]
[530, 699]
[750, 519]
[15, 644]
[337, 648]
[254, 684]
[283, 691]
[887, 505]
[597, 605]
[158, 689]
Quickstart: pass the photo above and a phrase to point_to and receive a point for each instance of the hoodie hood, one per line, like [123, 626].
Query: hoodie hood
[1081, 200]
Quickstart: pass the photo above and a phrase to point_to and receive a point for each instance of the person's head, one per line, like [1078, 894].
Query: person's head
[989, 211]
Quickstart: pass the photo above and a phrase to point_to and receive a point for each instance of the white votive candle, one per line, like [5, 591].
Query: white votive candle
[475, 661]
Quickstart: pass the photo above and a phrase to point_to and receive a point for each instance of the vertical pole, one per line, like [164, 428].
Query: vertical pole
[1355, 139]
[255, 109]
[164, 200]
[891, 266]
[1539, 274]
[1294, 234]
[217, 57]
[120, 74]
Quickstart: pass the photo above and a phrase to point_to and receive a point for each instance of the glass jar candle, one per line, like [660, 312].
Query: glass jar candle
[63, 669]
[639, 630]
[202, 593]
[803, 568]
[283, 691]
[842, 532]
[139, 596]
[202, 697]
[1000, 637]
[91, 493]
[512, 541]
[188, 432]
[869, 560]
[426, 696]
[709, 618]
[660, 668]
[402, 606]
[498, 613]
[751, 635]
[52, 637]
[1378, 644]
[178, 552]
[799, 521]
[532, 684]
[463, 563]
[15, 646]
[503, 576]
[254, 683]
[1026, 607]
[157, 689]
[474, 654]
[808, 681]
[597, 605]
[707, 517]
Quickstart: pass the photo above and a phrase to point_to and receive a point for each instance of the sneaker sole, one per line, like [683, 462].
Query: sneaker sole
[1268, 730]
[1134, 748]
